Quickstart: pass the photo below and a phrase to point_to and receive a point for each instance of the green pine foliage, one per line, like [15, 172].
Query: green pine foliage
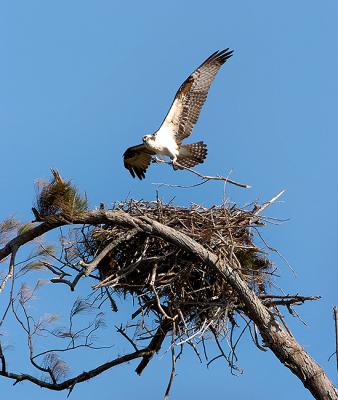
[59, 197]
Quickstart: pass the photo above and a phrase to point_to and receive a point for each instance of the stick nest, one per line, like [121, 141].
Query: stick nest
[170, 282]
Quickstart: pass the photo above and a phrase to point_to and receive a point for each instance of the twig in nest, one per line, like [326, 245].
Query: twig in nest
[267, 204]
[92, 265]
[204, 177]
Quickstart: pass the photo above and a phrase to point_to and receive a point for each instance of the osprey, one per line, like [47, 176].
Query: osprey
[178, 123]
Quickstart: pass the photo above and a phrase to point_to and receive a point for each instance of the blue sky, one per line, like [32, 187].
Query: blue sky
[82, 80]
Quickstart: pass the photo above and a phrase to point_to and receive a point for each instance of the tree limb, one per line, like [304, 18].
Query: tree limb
[284, 346]
[84, 376]
[155, 344]
[10, 269]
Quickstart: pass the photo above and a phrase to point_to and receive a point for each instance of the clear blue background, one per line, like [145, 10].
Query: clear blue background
[82, 80]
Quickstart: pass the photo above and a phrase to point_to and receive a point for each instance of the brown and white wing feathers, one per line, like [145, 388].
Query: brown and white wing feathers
[137, 160]
[190, 97]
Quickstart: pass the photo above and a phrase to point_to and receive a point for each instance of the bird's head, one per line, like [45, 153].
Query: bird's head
[148, 138]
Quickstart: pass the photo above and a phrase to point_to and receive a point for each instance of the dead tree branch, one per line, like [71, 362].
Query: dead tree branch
[284, 346]
[10, 272]
[83, 377]
[267, 204]
[287, 300]
[205, 178]
[155, 344]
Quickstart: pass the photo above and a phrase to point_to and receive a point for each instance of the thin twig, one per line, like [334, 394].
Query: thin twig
[179, 186]
[267, 204]
[335, 315]
[71, 284]
[173, 363]
[204, 177]
[122, 331]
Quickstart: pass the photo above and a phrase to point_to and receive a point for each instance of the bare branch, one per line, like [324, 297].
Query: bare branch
[155, 344]
[10, 269]
[173, 363]
[72, 283]
[84, 376]
[123, 333]
[3, 360]
[204, 177]
[267, 204]
[286, 300]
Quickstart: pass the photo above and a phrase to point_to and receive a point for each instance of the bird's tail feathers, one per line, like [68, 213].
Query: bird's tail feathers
[191, 154]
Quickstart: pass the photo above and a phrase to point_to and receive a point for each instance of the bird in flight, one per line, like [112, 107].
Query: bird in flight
[178, 123]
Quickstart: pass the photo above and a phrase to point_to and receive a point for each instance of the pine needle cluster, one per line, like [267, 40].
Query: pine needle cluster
[59, 198]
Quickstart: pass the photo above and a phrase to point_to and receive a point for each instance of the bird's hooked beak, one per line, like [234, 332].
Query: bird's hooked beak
[146, 138]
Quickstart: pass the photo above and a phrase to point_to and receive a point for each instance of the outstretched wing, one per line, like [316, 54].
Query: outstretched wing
[137, 160]
[190, 97]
